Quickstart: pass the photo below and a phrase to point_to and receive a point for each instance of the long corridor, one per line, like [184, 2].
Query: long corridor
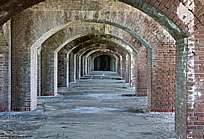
[101, 69]
[93, 108]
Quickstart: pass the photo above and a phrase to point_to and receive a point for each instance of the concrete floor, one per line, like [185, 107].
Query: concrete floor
[90, 109]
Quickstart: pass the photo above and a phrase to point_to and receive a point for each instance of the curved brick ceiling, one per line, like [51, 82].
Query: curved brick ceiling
[103, 43]
[93, 39]
[97, 37]
[96, 42]
[9, 8]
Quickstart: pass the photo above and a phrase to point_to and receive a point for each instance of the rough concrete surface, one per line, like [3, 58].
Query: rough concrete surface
[99, 114]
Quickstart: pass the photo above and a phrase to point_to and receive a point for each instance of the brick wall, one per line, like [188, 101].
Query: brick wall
[4, 94]
[169, 8]
[20, 71]
[142, 72]
[181, 108]
[62, 68]
[58, 39]
[164, 79]
[195, 82]
[44, 17]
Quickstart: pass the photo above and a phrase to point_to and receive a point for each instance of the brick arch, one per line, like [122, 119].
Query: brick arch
[108, 52]
[71, 39]
[93, 47]
[46, 20]
[96, 28]
[125, 70]
[154, 39]
[197, 13]
[90, 29]
[163, 12]
[134, 34]
[9, 9]
[77, 33]
[158, 38]
[102, 41]
[88, 43]
[167, 10]
[124, 60]
[106, 42]
[102, 37]
[131, 26]
[113, 47]
[81, 52]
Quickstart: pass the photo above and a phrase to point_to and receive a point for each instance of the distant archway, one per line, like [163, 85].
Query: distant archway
[103, 63]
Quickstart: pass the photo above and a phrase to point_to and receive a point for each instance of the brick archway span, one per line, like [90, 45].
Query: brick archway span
[189, 45]
[53, 53]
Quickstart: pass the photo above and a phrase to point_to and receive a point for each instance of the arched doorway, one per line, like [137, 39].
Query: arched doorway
[102, 63]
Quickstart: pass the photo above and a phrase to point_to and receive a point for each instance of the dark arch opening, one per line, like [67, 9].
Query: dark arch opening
[102, 63]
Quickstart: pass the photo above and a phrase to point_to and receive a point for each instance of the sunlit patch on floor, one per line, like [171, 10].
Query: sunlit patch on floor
[93, 109]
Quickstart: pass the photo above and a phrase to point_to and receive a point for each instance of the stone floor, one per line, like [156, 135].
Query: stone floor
[90, 109]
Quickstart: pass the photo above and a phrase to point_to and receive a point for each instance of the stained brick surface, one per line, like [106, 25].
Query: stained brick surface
[4, 94]
[142, 72]
[187, 81]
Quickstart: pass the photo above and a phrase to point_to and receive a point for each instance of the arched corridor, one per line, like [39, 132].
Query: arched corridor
[102, 69]
[93, 108]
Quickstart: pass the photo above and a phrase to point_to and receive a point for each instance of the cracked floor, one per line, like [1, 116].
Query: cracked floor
[87, 112]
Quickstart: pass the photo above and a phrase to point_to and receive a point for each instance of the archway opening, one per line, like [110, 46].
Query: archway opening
[102, 63]
[181, 65]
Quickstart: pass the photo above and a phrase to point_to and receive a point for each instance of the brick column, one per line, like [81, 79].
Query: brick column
[134, 71]
[62, 68]
[195, 76]
[22, 99]
[47, 72]
[163, 79]
[181, 59]
[4, 94]
[127, 69]
[142, 72]
[190, 75]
